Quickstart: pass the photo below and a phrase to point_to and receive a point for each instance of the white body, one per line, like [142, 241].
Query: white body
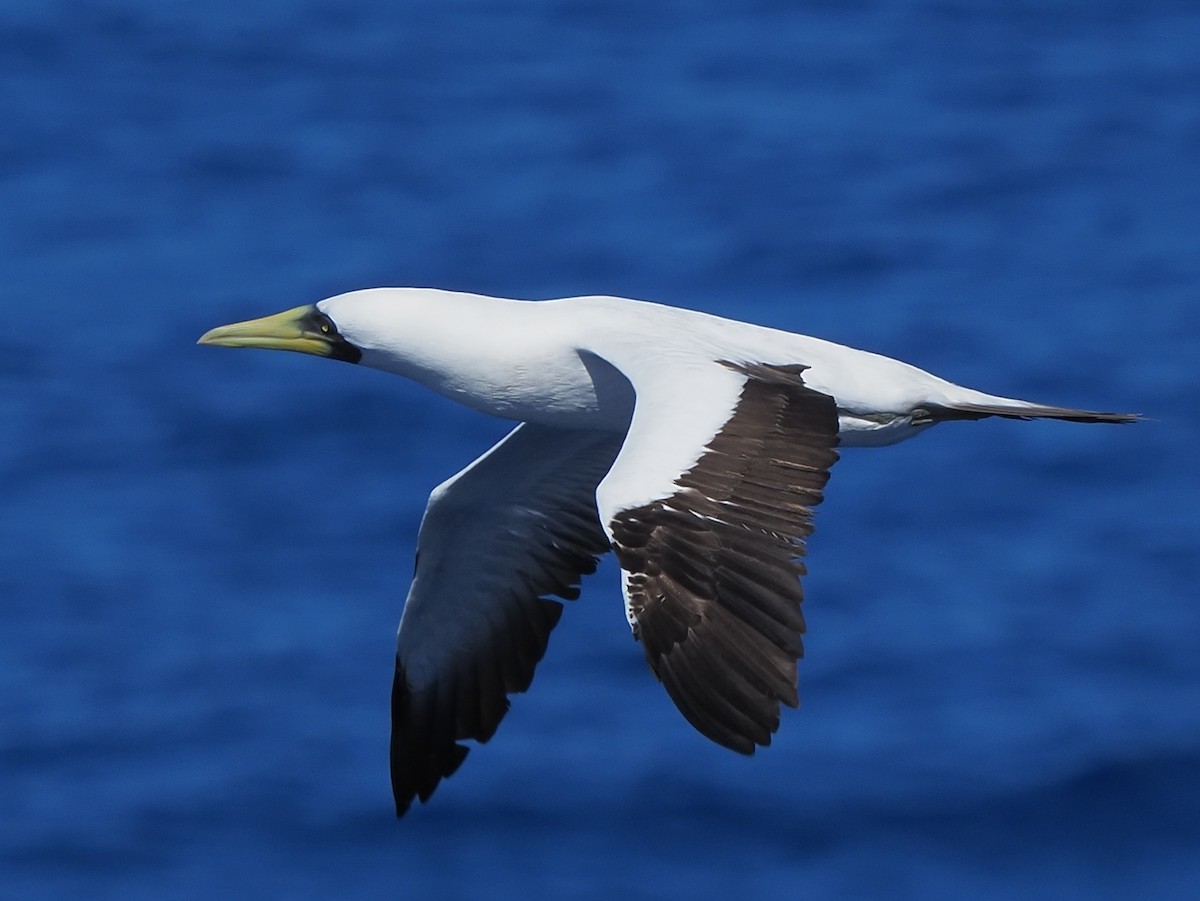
[571, 362]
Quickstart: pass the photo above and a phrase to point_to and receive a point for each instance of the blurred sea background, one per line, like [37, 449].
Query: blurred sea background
[204, 553]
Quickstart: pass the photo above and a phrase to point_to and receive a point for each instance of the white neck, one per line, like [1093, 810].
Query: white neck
[510, 358]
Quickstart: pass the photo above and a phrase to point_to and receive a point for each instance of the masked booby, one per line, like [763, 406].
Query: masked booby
[693, 447]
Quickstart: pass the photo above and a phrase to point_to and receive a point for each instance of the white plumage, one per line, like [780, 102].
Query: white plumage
[693, 446]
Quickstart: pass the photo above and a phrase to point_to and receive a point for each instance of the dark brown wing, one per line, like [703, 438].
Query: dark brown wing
[712, 579]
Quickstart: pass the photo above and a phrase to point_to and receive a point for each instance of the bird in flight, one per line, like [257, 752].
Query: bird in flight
[692, 446]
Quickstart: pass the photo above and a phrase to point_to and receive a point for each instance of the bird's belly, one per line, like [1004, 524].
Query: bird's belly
[569, 391]
[875, 430]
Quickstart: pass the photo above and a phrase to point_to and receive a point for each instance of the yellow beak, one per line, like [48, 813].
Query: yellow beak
[304, 329]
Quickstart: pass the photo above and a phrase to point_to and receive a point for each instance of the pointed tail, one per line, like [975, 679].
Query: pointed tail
[1016, 409]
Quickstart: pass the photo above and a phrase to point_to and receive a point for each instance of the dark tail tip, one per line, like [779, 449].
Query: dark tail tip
[1067, 414]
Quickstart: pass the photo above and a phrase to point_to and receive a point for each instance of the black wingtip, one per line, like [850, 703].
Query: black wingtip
[417, 766]
[405, 792]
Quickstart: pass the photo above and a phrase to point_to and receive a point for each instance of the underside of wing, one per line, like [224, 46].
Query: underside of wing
[711, 576]
[517, 526]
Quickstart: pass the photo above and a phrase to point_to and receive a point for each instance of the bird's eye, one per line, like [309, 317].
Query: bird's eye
[325, 327]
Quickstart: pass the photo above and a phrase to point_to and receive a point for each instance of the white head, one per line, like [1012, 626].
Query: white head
[380, 327]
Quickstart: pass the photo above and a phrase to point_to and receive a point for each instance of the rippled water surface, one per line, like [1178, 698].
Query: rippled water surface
[203, 554]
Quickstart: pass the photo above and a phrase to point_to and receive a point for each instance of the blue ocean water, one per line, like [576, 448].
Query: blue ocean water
[203, 554]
